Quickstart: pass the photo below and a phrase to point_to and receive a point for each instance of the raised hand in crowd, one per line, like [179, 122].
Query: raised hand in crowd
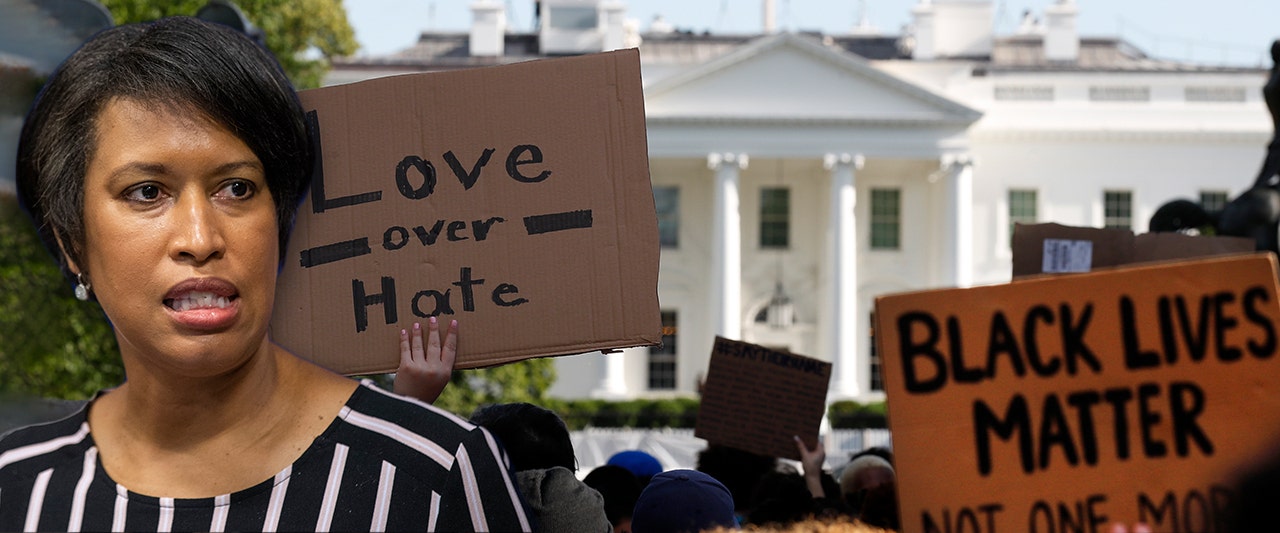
[811, 460]
[425, 370]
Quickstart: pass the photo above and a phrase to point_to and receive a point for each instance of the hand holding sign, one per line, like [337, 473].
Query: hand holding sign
[425, 370]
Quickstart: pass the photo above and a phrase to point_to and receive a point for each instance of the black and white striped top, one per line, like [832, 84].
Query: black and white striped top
[385, 463]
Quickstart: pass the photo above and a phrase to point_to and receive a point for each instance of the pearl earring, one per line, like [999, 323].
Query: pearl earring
[82, 288]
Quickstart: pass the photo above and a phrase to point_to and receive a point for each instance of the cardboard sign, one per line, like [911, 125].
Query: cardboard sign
[757, 399]
[1051, 248]
[1068, 403]
[515, 199]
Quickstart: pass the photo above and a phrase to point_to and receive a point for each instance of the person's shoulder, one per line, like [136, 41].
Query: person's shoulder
[36, 447]
[370, 403]
[374, 419]
[33, 434]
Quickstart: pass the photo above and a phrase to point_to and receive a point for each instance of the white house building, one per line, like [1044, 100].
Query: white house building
[798, 176]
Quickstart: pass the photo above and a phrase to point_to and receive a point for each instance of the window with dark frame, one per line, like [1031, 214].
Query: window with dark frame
[666, 201]
[1022, 208]
[775, 217]
[886, 219]
[1117, 209]
[1213, 201]
[876, 373]
[662, 358]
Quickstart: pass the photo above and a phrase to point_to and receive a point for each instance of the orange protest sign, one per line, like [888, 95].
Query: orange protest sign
[1069, 403]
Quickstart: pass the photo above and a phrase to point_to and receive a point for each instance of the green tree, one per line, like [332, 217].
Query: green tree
[524, 381]
[51, 344]
[303, 34]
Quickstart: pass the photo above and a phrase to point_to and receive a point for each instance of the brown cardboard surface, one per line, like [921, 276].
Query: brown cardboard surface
[1109, 247]
[757, 399]
[515, 199]
[1055, 248]
[1169, 246]
[1004, 400]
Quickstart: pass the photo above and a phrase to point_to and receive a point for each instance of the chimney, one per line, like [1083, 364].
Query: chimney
[488, 28]
[923, 21]
[770, 17]
[953, 28]
[1061, 42]
[613, 25]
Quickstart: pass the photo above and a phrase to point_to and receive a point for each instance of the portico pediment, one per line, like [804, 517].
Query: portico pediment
[793, 78]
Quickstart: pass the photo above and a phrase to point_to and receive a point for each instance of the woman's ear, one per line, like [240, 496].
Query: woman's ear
[62, 248]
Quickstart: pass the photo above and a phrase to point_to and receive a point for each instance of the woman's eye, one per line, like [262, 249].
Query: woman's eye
[144, 193]
[238, 189]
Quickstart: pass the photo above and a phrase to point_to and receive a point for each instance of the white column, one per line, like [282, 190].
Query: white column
[726, 260]
[842, 262]
[959, 172]
[613, 375]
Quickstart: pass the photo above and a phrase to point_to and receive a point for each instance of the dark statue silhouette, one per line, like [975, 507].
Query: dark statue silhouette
[1256, 212]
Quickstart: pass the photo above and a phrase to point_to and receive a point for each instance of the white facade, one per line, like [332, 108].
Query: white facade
[951, 137]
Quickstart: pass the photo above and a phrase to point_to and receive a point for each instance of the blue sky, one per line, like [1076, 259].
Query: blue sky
[1236, 32]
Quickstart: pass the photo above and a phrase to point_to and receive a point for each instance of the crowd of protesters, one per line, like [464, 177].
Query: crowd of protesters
[729, 488]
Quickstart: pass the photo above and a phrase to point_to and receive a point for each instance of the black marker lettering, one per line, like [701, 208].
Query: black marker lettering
[319, 203]
[1186, 402]
[425, 168]
[912, 351]
[1267, 348]
[442, 306]
[362, 301]
[1134, 356]
[514, 162]
[1073, 347]
[1016, 420]
[429, 237]
[395, 238]
[1039, 313]
[468, 179]
[465, 281]
[507, 288]
[1002, 341]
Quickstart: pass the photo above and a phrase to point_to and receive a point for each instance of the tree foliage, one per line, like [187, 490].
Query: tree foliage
[303, 34]
[51, 344]
[525, 381]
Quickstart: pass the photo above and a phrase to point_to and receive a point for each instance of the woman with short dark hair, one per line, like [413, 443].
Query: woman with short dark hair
[163, 163]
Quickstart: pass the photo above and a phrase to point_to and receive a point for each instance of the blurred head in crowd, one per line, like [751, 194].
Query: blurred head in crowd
[620, 490]
[678, 501]
[640, 464]
[534, 438]
[868, 486]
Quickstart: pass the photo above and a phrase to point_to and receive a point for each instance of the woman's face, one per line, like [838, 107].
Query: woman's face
[180, 239]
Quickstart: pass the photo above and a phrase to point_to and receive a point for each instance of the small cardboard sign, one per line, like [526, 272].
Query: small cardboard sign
[515, 199]
[757, 399]
[1069, 403]
[1051, 248]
